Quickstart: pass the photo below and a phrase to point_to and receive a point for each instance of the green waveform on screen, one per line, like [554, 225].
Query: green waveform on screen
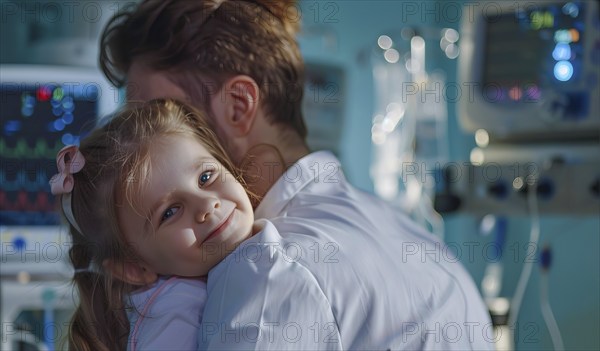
[42, 149]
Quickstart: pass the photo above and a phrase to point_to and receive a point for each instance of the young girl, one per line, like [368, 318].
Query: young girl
[152, 205]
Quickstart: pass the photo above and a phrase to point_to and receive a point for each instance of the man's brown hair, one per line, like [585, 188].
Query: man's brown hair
[200, 44]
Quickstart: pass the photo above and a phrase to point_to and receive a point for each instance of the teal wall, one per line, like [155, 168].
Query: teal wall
[574, 279]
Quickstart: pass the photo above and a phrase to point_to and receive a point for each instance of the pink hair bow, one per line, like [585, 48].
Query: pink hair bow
[68, 161]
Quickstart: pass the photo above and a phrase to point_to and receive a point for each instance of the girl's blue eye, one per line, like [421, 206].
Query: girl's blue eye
[205, 177]
[169, 213]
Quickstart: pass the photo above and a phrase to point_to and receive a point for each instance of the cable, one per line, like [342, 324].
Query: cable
[551, 324]
[534, 236]
[435, 220]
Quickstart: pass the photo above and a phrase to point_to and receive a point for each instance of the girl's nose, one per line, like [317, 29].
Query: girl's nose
[207, 208]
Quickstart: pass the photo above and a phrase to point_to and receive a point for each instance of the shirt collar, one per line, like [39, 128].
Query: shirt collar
[312, 167]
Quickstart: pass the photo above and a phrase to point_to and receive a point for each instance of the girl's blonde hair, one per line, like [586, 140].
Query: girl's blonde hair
[117, 161]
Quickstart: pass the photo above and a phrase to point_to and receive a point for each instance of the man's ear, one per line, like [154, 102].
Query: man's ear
[130, 272]
[239, 103]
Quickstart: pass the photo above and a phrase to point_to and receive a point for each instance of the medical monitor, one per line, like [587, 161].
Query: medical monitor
[531, 70]
[43, 108]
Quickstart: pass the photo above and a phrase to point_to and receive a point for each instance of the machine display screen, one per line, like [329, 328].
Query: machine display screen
[532, 48]
[36, 121]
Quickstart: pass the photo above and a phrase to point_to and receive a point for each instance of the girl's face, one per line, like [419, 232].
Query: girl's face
[191, 213]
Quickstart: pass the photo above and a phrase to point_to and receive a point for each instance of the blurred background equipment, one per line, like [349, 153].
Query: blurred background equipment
[410, 129]
[51, 95]
[533, 79]
[43, 109]
[531, 71]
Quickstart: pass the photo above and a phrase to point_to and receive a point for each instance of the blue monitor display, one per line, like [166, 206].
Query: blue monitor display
[36, 121]
[531, 69]
[533, 48]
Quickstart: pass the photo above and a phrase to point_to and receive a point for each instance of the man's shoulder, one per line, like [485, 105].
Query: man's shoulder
[256, 255]
[178, 290]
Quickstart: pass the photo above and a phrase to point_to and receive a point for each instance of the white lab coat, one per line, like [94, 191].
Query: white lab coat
[339, 269]
[166, 315]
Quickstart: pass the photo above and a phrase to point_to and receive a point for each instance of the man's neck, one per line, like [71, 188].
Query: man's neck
[266, 163]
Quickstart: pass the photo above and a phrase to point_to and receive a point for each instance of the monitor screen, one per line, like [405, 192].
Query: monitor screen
[533, 48]
[535, 69]
[36, 121]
